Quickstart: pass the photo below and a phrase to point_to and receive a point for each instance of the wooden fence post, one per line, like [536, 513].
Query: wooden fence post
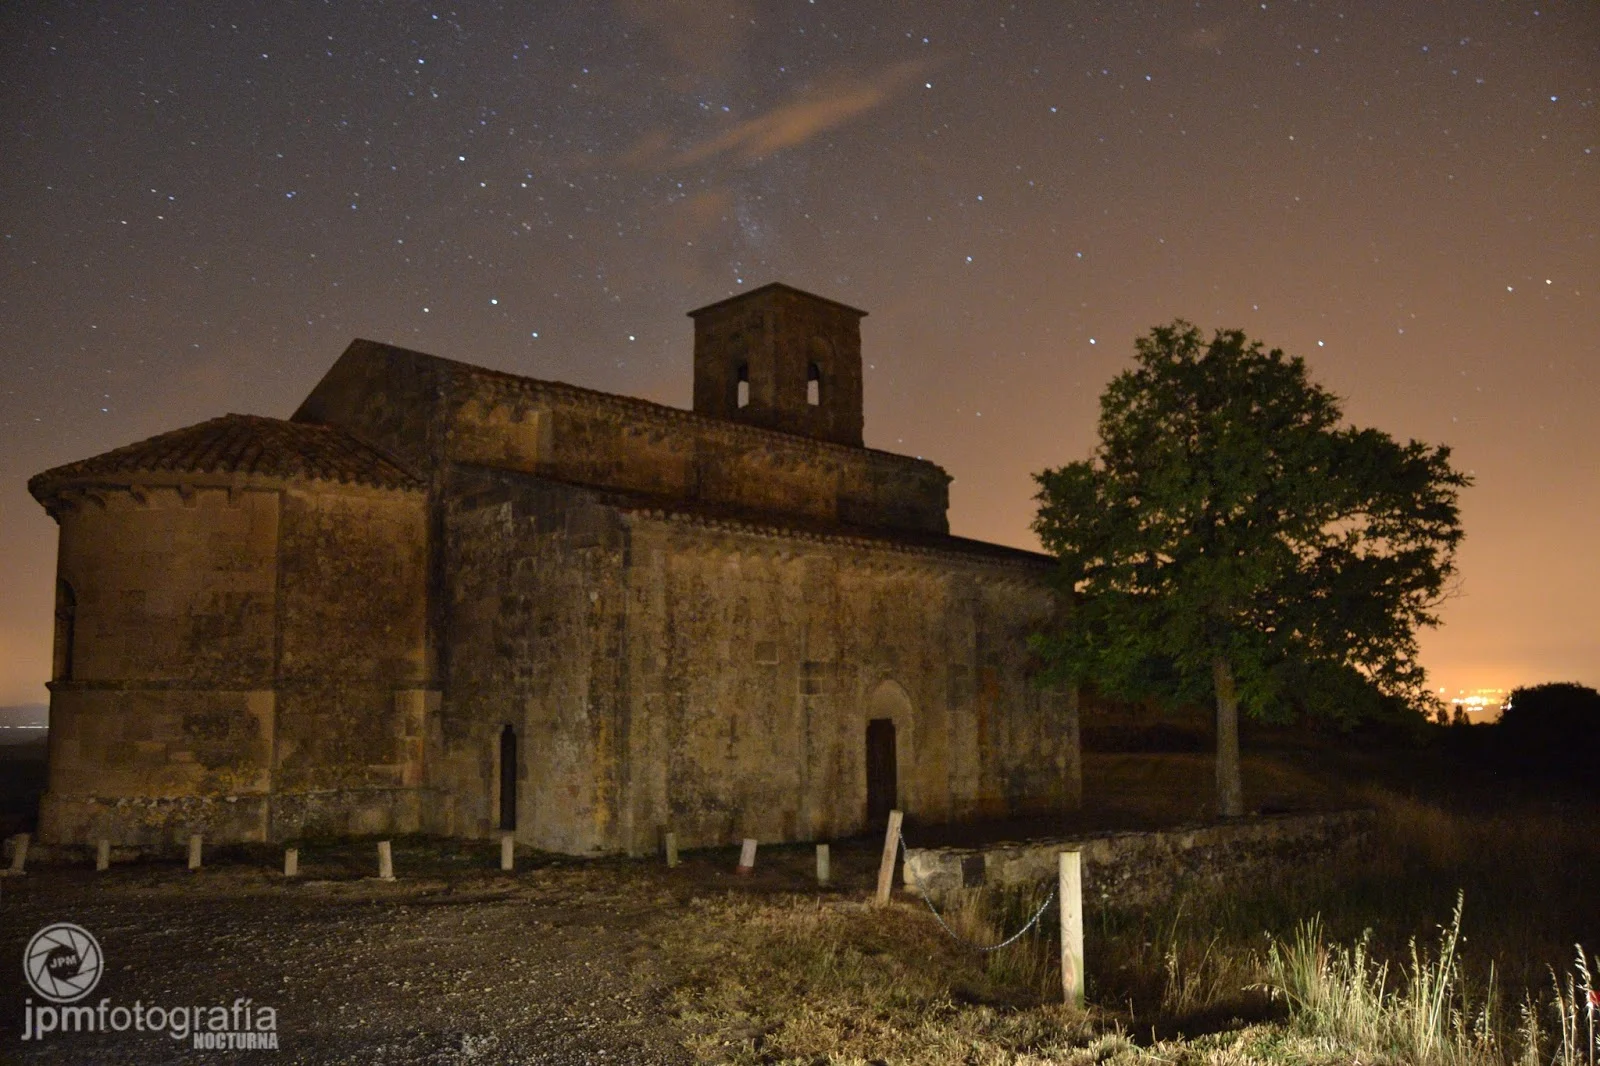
[385, 861]
[891, 848]
[747, 856]
[1071, 898]
[824, 873]
[195, 846]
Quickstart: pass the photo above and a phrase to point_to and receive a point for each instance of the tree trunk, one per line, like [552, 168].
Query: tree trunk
[1072, 743]
[1230, 786]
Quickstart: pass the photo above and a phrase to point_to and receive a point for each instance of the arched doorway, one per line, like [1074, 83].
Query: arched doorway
[508, 779]
[888, 719]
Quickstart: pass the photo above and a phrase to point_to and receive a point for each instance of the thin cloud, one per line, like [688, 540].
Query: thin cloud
[786, 126]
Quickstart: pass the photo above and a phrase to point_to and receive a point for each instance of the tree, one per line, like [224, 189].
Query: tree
[1231, 540]
[1554, 726]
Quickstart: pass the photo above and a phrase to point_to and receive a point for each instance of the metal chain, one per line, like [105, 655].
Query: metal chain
[1007, 942]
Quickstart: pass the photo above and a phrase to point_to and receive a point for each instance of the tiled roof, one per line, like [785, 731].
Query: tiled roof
[243, 444]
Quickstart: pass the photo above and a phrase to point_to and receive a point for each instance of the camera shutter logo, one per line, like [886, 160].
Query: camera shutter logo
[63, 962]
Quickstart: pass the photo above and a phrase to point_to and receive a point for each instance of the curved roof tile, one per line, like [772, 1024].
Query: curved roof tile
[243, 444]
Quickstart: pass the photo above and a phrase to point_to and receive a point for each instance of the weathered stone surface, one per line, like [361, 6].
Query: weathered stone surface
[216, 633]
[1137, 868]
[798, 357]
[665, 669]
[437, 412]
[437, 575]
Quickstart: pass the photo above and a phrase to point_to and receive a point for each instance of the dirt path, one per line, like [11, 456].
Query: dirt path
[409, 975]
[453, 963]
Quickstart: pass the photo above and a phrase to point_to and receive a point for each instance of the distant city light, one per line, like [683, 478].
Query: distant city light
[1483, 703]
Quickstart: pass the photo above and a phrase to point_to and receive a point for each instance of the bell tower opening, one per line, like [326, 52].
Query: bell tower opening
[783, 359]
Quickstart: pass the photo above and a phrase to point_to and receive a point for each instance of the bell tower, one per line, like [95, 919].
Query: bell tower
[782, 359]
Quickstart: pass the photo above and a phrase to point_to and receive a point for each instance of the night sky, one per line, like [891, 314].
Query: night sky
[200, 210]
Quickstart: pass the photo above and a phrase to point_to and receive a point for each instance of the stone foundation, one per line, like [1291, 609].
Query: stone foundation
[357, 812]
[155, 825]
[151, 823]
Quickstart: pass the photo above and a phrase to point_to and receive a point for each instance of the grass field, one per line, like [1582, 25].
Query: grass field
[1452, 941]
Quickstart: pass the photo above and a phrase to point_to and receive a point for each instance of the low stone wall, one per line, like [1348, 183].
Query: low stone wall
[1138, 868]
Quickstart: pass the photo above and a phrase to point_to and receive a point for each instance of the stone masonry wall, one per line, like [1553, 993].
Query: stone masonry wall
[663, 672]
[756, 661]
[352, 675]
[777, 336]
[231, 644]
[533, 627]
[1138, 868]
[570, 435]
[168, 696]
[433, 411]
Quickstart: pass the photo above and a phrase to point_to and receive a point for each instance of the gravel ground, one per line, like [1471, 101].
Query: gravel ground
[453, 963]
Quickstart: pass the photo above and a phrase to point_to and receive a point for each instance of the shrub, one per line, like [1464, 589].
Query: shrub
[1553, 726]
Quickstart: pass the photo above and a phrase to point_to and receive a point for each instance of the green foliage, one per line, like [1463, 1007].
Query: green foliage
[1228, 521]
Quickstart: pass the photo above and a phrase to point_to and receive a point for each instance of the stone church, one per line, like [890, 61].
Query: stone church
[444, 599]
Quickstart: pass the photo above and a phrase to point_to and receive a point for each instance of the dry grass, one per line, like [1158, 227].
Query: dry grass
[1422, 1015]
[799, 980]
[1320, 967]
[803, 982]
